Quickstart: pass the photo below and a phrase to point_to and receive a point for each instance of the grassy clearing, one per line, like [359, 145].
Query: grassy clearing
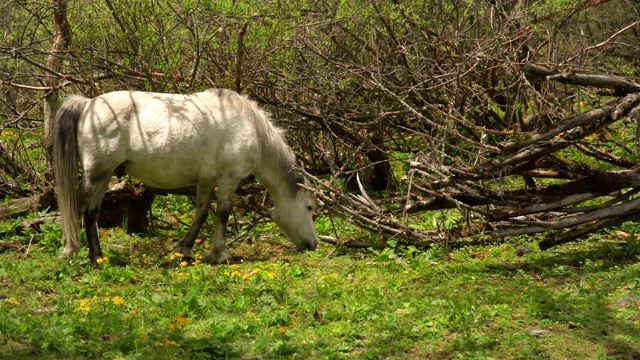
[577, 302]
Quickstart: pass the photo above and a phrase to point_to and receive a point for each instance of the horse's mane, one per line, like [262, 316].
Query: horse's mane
[271, 138]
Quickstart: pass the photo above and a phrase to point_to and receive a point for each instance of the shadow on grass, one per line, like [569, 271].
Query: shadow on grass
[211, 347]
[153, 250]
[601, 313]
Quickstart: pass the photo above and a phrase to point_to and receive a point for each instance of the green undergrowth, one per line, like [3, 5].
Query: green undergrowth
[580, 301]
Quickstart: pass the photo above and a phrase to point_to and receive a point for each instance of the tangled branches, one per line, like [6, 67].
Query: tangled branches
[521, 116]
[527, 187]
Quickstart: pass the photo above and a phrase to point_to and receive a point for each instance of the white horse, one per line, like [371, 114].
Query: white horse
[216, 137]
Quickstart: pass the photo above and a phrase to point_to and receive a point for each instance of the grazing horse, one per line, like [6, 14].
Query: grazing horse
[169, 141]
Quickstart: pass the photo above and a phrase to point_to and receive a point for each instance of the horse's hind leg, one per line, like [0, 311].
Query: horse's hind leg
[93, 189]
[91, 221]
[203, 199]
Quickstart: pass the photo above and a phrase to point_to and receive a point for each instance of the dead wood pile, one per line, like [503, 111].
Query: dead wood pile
[525, 185]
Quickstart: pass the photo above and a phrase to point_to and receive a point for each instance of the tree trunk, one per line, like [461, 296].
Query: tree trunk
[61, 38]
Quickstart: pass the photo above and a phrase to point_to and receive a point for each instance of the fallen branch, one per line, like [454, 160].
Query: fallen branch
[9, 246]
[621, 85]
[609, 212]
[570, 235]
[351, 243]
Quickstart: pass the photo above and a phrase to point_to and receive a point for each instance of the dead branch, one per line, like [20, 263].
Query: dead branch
[351, 243]
[621, 85]
[613, 211]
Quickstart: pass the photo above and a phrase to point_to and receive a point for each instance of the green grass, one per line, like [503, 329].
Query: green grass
[576, 302]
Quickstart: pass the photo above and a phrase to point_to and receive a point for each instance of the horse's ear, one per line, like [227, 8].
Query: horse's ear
[299, 178]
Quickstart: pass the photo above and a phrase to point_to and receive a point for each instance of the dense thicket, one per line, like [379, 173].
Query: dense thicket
[437, 99]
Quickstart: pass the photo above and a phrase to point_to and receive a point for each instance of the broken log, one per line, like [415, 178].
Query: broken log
[21, 206]
[18, 207]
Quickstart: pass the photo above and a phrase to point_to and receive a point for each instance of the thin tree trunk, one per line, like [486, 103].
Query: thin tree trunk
[61, 39]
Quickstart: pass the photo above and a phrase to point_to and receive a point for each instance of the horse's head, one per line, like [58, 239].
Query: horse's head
[294, 217]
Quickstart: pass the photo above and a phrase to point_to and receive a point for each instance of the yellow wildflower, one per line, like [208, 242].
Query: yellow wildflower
[85, 305]
[175, 256]
[181, 320]
[178, 322]
[184, 263]
[167, 342]
[117, 300]
[12, 300]
[102, 259]
[130, 315]
[282, 329]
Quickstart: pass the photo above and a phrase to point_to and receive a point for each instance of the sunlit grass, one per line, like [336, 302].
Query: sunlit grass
[475, 302]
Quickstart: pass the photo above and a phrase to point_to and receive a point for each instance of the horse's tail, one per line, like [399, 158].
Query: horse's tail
[65, 165]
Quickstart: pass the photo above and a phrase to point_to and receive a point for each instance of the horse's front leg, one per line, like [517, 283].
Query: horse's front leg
[203, 198]
[219, 253]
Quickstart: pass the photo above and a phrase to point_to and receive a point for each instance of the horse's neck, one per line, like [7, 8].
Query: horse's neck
[275, 180]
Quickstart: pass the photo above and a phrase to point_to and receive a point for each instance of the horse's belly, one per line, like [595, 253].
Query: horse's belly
[164, 174]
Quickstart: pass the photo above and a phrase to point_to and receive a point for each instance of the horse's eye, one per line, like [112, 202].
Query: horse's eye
[310, 208]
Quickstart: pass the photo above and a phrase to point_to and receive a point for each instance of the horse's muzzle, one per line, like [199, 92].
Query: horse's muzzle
[309, 244]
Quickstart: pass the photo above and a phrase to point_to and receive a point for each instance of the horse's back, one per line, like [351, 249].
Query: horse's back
[168, 140]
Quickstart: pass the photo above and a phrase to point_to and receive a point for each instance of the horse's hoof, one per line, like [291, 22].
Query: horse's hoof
[186, 252]
[220, 259]
[188, 259]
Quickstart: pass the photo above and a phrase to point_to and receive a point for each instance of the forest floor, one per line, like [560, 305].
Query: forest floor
[578, 301]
